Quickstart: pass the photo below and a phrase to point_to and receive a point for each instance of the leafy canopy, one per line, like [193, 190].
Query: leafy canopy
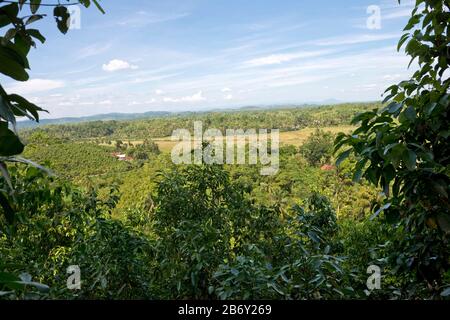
[15, 45]
[404, 147]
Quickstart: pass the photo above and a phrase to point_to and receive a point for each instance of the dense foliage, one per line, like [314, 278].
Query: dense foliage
[404, 149]
[318, 149]
[145, 228]
[285, 119]
[218, 246]
[195, 231]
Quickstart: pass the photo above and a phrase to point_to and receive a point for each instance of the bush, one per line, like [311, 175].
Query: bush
[318, 148]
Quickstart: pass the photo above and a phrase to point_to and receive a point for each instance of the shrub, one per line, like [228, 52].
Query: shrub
[318, 148]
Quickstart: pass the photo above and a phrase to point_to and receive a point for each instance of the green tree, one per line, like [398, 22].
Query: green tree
[192, 221]
[15, 45]
[318, 148]
[404, 147]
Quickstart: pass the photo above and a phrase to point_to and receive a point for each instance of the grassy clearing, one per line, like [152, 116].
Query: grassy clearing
[295, 138]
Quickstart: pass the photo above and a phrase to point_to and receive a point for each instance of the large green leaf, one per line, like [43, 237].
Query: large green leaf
[36, 34]
[23, 107]
[444, 222]
[7, 211]
[395, 153]
[344, 155]
[34, 5]
[34, 18]
[11, 10]
[15, 51]
[62, 17]
[410, 159]
[21, 3]
[22, 44]
[10, 144]
[5, 109]
[11, 64]
[19, 283]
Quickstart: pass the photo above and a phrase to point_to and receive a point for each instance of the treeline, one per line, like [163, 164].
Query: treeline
[283, 119]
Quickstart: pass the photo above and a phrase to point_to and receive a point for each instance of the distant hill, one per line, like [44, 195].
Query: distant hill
[159, 114]
[98, 117]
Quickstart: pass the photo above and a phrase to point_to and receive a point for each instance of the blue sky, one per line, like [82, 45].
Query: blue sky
[175, 55]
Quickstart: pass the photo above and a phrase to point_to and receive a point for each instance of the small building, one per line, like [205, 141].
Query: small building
[327, 167]
[121, 157]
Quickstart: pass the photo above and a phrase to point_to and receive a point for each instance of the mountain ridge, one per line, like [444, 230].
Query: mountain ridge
[118, 116]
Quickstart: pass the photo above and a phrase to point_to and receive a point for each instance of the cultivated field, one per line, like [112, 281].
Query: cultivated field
[295, 138]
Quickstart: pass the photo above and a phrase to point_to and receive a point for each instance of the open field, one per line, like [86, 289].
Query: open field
[295, 138]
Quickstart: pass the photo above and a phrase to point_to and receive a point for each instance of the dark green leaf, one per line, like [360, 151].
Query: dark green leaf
[444, 222]
[11, 64]
[62, 17]
[9, 216]
[99, 7]
[34, 5]
[344, 155]
[36, 34]
[10, 144]
[410, 159]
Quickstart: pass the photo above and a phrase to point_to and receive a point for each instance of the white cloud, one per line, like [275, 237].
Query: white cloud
[392, 10]
[369, 66]
[93, 50]
[141, 102]
[159, 92]
[134, 103]
[116, 65]
[355, 39]
[388, 4]
[366, 87]
[397, 14]
[65, 103]
[295, 81]
[35, 85]
[144, 18]
[272, 59]
[226, 90]
[390, 77]
[194, 98]
[105, 102]
[280, 58]
[228, 97]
